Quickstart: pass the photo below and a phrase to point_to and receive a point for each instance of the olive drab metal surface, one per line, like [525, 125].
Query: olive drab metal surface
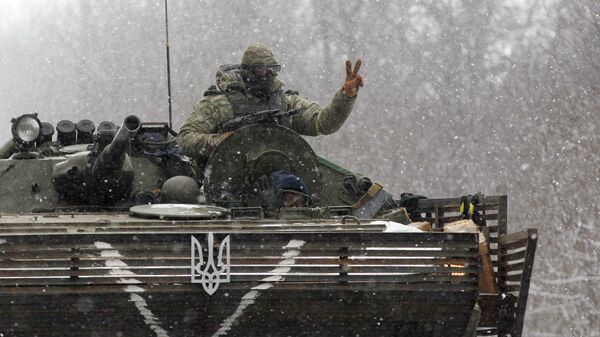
[117, 170]
[26, 185]
[251, 152]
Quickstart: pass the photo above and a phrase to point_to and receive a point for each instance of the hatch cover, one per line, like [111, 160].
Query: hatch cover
[179, 211]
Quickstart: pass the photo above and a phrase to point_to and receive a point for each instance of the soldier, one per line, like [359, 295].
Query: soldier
[282, 189]
[253, 86]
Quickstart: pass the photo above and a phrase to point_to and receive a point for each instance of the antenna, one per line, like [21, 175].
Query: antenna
[168, 65]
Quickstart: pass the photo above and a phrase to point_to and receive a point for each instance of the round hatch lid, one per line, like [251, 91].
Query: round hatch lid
[75, 148]
[179, 211]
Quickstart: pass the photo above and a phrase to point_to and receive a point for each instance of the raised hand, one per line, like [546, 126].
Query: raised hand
[353, 79]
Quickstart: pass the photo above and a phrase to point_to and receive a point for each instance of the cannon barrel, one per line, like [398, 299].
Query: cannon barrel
[7, 149]
[110, 160]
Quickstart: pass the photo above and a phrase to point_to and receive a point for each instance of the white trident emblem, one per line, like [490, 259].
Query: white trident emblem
[212, 274]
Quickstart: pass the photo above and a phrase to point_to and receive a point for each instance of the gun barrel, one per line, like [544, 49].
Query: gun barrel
[111, 158]
[7, 149]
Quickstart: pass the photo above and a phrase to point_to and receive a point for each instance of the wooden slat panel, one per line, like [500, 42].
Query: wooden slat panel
[512, 237]
[142, 255]
[275, 240]
[185, 261]
[468, 281]
[149, 251]
[513, 288]
[150, 261]
[513, 267]
[513, 278]
[264, 269]
[502, 214]
[532, 234]
[330, 286]
[512, 257]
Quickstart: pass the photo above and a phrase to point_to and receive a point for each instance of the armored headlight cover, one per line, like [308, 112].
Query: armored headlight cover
[26, 129]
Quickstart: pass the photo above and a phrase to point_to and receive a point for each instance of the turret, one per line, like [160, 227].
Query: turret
[110, 161]
[103, 176]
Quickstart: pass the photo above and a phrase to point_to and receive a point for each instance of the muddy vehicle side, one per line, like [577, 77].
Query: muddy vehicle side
[68, 270]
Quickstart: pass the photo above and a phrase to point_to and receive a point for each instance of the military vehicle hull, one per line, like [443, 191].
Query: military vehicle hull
[304, 278]
[76, 260]
[113, 274]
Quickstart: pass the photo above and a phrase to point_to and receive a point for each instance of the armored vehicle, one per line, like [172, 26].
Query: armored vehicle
[105, 232]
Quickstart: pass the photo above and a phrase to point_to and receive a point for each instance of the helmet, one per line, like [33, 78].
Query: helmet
[286, 181]
[258, 53]
[180, 190]
[290, 189]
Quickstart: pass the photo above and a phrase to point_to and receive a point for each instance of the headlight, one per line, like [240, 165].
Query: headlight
[26, 129]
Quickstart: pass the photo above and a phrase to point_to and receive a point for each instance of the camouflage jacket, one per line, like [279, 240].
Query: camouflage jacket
[198, 135]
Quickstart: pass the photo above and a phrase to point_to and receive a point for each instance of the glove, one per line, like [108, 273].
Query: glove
[266, 192]
[353, 79]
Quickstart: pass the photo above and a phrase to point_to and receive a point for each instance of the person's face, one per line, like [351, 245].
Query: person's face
[261, 71]
[259, 77]
[291, 199]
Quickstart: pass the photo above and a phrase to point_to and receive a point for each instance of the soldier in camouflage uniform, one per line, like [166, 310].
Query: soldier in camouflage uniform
[253, 86]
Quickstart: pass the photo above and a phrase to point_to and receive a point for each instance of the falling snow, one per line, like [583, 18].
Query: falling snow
[492, 96]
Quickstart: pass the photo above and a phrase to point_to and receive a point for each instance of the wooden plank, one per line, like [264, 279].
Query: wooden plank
[466, 281]
[513, 278]
[512, 288]
[514, 237]
[235, 269]
[512, 257]
[185, 261]
[331, 286]
[502, 215]
[532, 234]
[513, 267]
[183, 249]
[143, 255]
